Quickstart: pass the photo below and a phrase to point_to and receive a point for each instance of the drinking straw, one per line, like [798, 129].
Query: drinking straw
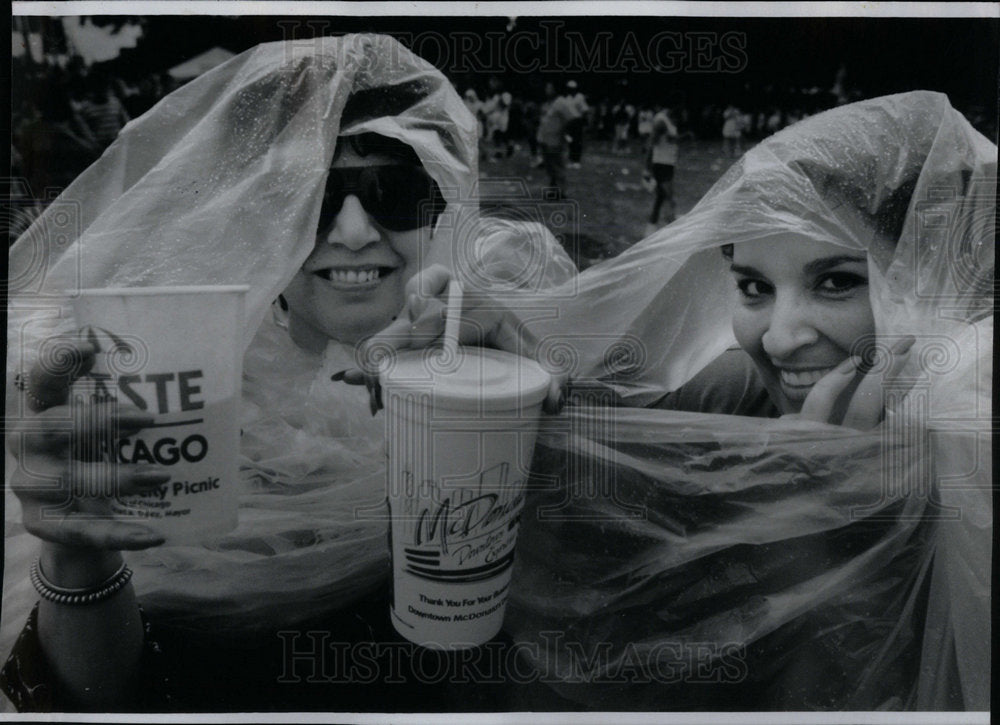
[453, 319]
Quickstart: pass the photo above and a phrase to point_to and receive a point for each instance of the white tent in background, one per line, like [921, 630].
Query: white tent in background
[96, 44]
[194, 67]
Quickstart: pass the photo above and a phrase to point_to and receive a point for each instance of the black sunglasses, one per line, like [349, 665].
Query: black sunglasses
[400, 197]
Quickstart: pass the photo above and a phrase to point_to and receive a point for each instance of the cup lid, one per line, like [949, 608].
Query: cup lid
[480, 378]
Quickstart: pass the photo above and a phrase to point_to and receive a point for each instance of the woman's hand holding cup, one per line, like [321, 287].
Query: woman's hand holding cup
[421, 323]
[63, 480]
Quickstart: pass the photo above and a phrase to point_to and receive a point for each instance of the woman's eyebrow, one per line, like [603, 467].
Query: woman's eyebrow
[744, 270]
[821, 265]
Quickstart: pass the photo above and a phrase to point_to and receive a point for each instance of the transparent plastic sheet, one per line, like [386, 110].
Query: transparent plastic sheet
[704, 561]
[904, 177]
[221, 183]
[908, 180]
[312, 531]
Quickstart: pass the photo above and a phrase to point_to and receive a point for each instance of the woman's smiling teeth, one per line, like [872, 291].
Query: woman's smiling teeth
[343, 275]
[802, 378]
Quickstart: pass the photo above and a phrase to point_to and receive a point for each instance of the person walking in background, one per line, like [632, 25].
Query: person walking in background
[644, 127]
[472, 102]
[496, 110]
[603, 119]
[502, 136]
[530, 118]
[662, 159]
[574, 128]
[732, 131]
[622, 115]
[552, 136]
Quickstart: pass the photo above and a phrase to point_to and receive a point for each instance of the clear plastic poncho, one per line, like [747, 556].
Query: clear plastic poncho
[688, 560]
[221, 183]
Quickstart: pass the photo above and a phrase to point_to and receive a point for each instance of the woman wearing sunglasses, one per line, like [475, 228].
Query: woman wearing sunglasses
[378, 204]
[323, 175]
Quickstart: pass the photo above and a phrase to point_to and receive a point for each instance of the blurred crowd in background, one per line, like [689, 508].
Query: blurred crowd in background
[626, 122]
[69, 104]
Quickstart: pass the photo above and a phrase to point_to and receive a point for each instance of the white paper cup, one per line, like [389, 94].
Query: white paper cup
[460, 442]
[175, 353]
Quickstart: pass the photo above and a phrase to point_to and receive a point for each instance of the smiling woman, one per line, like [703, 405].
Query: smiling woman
[378, 204]
[316, 175]
[835, 558]
[802, 309]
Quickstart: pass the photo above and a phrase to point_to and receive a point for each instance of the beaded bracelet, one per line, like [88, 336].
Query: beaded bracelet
[22, 381]
[83, 595]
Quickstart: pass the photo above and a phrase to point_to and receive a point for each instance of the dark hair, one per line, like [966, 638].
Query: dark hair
[394, 100]
[366, 144]
[844, 197]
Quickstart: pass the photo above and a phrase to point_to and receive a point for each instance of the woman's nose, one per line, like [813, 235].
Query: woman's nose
[791, 328]
[352, 227]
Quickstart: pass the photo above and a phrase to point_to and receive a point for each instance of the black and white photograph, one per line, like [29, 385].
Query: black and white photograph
[368, 362]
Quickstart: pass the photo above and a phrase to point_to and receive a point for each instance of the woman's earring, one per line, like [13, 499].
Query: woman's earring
[279, 310]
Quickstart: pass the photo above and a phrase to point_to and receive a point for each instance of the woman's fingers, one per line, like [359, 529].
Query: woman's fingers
[63, 478]
[428, 325]
[867, 404]
[352, 376]
[61, 361]
[421, 324]
[397, 336]
[98, 531]
[555, 399]
[97, 480]
[479, 325]
[57, 429]
[822, 399]
[51, 483]
[74, 506]
[66, 514]
[429, 282]
[418, 325]
[864, 408]
[371, 383]
[64, 483]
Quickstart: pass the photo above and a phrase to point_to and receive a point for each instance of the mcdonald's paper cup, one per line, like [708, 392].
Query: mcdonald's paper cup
[176, 353]
[460, 440]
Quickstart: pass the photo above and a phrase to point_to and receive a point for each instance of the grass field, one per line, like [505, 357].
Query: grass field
[608, 207]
